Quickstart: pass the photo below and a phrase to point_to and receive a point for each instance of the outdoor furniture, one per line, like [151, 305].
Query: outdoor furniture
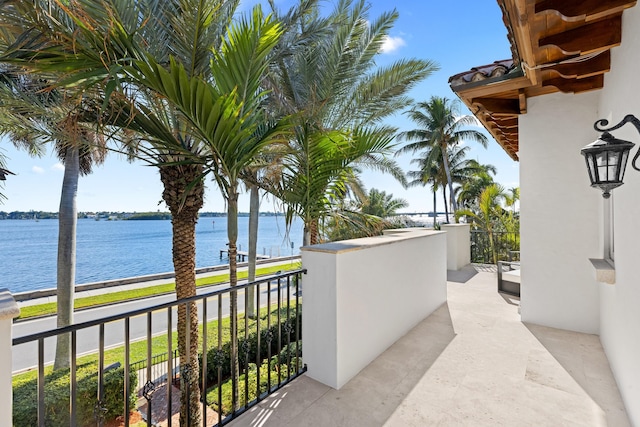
[509, 278]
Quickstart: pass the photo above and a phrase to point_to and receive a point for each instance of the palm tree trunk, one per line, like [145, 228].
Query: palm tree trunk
[313, 231]
[232, 234]
[66, 268]
[447, 171]
[306, 236]
[446, 206]
[254, 211]
[435, 212]
[184, 209]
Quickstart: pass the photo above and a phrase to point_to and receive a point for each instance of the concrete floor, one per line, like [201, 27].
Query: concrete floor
[471, 363]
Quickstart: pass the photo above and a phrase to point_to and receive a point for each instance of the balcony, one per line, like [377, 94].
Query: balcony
[472, 362]
[398, 338]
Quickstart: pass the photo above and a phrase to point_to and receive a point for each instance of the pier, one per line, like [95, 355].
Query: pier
[242, 255]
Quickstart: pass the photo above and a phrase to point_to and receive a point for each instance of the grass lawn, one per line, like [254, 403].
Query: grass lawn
[159, 344]
[114, 297]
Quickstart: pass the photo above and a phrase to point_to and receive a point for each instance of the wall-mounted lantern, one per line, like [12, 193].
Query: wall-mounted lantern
[607, 156]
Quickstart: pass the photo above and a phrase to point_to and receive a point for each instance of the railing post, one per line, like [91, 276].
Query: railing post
[8, 311]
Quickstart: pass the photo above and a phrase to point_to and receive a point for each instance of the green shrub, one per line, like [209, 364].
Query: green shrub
[222, 359]
[56, 397]
[212, 394]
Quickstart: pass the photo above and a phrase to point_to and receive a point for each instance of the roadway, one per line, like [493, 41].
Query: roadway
[25, 356]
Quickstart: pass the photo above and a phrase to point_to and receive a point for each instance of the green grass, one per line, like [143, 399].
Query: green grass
[115, 297]
[159, 344]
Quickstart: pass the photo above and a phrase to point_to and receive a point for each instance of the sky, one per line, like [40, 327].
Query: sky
[456, 35]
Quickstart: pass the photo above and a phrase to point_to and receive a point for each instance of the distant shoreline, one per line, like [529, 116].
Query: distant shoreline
[104, 215]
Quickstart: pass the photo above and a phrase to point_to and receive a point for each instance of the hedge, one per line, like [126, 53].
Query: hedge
[212, 394]
[222, 359]
[25, 397]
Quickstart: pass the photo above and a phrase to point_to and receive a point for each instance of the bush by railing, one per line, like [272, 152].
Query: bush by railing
[506, 246]
[56, 397]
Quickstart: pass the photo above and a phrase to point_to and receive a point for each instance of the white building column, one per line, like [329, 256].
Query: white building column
[8, 311]
[458, 245]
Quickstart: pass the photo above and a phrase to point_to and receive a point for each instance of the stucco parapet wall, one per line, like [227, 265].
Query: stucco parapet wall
[8, 307]
[390, 236]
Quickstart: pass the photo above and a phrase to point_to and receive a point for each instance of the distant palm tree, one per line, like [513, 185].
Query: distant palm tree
[440, 125]
[476, 178]
[381, 204]
[488, 213]
[428, 173]
[367, 215]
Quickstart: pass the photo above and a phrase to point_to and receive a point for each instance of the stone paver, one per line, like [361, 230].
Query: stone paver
[471, 363]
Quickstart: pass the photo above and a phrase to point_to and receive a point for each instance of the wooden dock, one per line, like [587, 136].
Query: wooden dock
[242, 255]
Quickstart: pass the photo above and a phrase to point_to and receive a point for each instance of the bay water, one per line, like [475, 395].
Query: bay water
[116, 249]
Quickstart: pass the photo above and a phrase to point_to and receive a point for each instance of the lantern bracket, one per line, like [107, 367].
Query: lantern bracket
[601, 124]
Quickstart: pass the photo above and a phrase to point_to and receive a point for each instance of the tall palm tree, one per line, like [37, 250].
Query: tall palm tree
[331, 86]
[428, 173]
[440, 125]
[32, 118]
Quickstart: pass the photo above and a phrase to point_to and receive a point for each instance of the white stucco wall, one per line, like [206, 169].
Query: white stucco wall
[360, 296]
[620, 303]
[562, 223]
[560, 213]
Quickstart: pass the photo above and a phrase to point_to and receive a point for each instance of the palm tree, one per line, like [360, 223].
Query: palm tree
[429, 166]
[440, 125]
[381, 204]
[202, 122]
[488, 213]
[330, 86]
[367, 215]
[478, 177]
[32, 118]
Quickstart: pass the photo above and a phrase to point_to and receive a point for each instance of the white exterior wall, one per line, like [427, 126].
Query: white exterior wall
[620, 303]
[361, 296]
[562, 223]
[560, 213]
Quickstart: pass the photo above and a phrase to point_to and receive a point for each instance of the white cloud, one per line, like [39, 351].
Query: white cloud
[37, 169]
[57, 167]
[391, 44]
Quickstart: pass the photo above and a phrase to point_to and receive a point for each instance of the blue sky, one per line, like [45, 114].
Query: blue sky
[457, 35]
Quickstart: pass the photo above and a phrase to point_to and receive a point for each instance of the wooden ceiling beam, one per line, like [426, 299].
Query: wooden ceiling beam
[589, 38]
[583, 10]
[586, 68]
[506, 125]
[576, 85]
[498, 105]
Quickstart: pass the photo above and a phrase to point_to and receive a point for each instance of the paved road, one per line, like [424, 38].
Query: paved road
[26, 355]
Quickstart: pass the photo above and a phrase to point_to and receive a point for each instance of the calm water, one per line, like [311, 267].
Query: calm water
[115, 249]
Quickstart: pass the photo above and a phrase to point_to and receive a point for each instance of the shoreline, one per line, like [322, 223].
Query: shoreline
[26, 298]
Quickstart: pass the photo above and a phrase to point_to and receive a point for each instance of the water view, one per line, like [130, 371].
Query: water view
[116, 249]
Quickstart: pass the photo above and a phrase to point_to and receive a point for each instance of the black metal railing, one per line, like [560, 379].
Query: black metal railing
[269, 353]
[505, 247]
[159, 374]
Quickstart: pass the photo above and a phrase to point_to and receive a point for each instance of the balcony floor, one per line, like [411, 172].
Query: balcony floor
[471, 363]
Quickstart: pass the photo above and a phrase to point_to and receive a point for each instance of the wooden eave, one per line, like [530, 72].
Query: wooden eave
[558, 46]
